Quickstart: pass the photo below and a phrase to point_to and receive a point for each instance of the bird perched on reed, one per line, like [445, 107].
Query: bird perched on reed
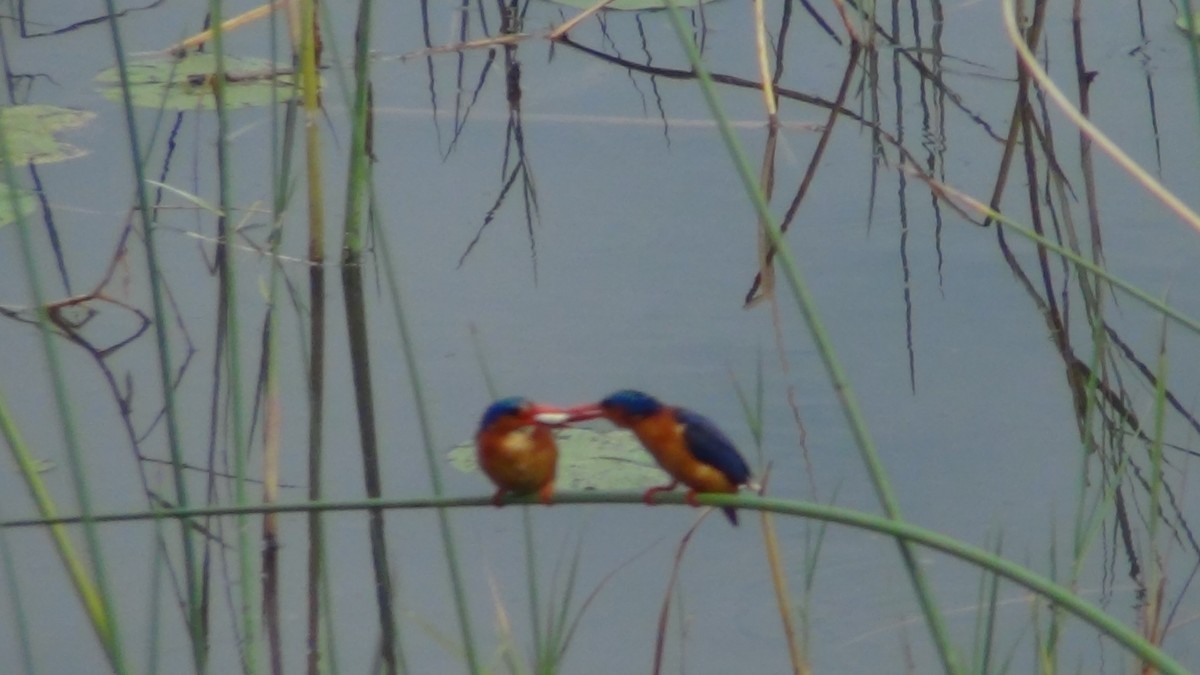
[687, 445]
[516, 448]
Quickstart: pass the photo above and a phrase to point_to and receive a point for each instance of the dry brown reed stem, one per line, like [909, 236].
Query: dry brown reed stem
[664, 614]
[959, 202]
[307, 46]
[840, 5]
[484, 43]
[272, 431]
[295, 21]
[1083, 79]
[1018, 113]
[764, 65]
[766, 272]
[1035, 71]
[760, 287]
[578, 19]
[800, 664]
[227, 25]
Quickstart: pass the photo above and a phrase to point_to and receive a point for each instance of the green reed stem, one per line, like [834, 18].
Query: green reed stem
[310, 83]
[753, 414]
[531, 581]
[1153, 609]
[559, 625]
[1084, 515]
[233, 362]
[529, 535]
[358, 196]
[283, 133]
[985, 621]
[1055, 593]
[435, 474]
[1189, 13]
[155, 602]
[13, 588]
[98, 604]
[195, 619]
[414, 378]
[822, 340]
[352, 237]
[85, 588]
[1137, 293]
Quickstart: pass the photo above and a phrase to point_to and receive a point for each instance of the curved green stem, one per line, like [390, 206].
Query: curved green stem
[1057, 594]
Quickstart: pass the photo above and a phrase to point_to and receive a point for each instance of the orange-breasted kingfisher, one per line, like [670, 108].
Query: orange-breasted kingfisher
[686, 444]
[516, 447]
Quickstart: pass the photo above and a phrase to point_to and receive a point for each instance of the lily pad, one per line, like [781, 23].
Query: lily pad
[29, 132]
[588, 460]
[187, 83]
[633, 5]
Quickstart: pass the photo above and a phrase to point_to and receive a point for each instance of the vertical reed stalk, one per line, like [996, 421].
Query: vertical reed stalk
[99, 606]
[282, 141]
[14, 598]
[310, 90]
[90, 596]
[228, 303]
[807, 304]
[195, 601]
[1155, 577]
[356, 322]
[435, 474]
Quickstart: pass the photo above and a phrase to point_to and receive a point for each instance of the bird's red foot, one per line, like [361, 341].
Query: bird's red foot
[498, 499]
[648, 495]
[546, 494]
[690, 498]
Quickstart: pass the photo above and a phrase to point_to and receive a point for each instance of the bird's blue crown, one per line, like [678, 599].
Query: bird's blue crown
[632, 402]
[505, 406]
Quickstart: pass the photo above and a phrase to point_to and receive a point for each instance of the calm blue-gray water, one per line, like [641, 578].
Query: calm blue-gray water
[618, 257]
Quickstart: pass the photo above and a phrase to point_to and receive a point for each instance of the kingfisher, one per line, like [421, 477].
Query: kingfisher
[516, 448]
[686, 444]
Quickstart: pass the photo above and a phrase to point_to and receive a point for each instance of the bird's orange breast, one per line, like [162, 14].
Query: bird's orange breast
[521, 460]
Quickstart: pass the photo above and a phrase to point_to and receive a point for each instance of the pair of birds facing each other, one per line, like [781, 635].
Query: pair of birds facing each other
[516, 448]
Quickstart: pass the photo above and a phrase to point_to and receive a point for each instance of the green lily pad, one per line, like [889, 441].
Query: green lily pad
[186, 84]
[588, 460]
[14, 205]
[29, 132]
[633, 5]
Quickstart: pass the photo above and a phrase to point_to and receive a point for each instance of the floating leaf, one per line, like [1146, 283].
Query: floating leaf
[187, 83]
[588, 460]
[29, 132]
[22, 202]
[1182, 22]
[633, 5]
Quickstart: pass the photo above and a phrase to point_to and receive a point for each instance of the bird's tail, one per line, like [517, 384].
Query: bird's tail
[731, 514]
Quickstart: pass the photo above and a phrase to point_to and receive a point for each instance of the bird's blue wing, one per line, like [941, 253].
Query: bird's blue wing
[709, 445]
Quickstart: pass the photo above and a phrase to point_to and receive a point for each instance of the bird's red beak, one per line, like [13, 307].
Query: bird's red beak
[550, 415]
[587, 411]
